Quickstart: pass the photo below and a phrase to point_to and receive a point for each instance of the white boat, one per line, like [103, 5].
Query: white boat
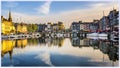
[114, 38]
[4, 37]
[97, 35]
[93, 35]
[67, 35]
[103, 35]
[59, 35]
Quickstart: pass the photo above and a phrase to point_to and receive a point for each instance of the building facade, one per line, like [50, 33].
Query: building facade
[86, 26]
[7, 25]
[41, 27]
[94, 26]
[113, 20]
[21, 28]
[75, 27]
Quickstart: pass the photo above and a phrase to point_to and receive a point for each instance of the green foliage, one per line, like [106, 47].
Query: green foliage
[29, 28]
[32, 27]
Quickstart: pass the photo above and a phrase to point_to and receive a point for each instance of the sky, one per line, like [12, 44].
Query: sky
[54, 11]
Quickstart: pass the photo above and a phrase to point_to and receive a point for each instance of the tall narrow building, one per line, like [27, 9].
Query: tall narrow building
[10, 18]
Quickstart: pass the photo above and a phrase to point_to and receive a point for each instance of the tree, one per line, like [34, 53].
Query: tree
[32, 28]
[29, 28]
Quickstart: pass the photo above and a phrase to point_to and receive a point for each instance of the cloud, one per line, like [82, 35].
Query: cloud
[45, 8]
[104, 4]
[45, 56]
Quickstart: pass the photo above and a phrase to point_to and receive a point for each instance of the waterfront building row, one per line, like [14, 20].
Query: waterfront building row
[106, 24]
[9, 27]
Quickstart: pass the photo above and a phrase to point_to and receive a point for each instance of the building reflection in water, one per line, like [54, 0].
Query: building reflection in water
[7, 47]
[33, 42]
[105, 46]
[42, 40]
[94, 43]
[51, 41]
[80, 42]
[21, 43]
[57, 42]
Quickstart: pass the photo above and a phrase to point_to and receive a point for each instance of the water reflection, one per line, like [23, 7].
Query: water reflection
[57, 41]
[106, 47]
[7, 47]
[49, 41]
[21, 43]
[77, 42]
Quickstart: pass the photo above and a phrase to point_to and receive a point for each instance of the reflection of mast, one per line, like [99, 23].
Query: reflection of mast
[112, 63]
[103, 53]
[103, 57]
[103, 13]
[10, 52]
